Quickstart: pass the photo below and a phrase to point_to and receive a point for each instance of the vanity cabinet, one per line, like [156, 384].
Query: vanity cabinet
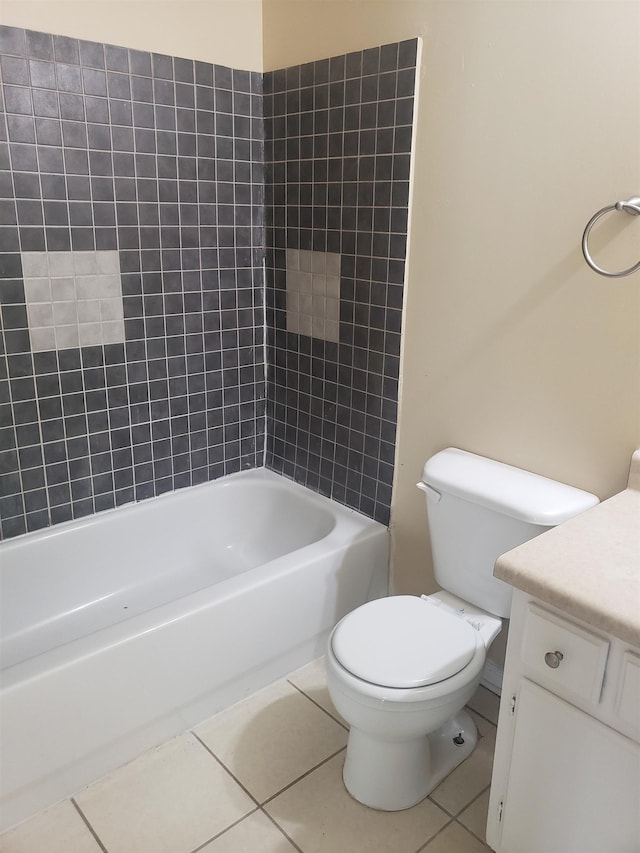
[566, 775]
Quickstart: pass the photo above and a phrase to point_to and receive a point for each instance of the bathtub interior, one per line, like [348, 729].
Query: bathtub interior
[80, 577]
[75, 712]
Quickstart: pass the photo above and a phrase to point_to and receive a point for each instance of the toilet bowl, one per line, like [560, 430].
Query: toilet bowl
[400, 670]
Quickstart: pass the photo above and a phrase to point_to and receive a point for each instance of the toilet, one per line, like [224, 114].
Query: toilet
[401, 669]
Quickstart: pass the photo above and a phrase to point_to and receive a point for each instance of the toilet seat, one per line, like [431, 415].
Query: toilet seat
[403, 641]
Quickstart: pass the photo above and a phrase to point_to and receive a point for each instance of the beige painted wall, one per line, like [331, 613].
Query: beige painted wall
[528, 122]
[226, 32]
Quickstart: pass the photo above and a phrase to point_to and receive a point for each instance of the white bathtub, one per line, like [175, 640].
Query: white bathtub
[122, 630]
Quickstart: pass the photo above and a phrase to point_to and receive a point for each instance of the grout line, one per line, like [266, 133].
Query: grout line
[484, 790]
[224, 767]
[88, 825]
[286, 835]
[439, 832]
[303, 776]
[281, 790]
[226, 829]
[317, 704]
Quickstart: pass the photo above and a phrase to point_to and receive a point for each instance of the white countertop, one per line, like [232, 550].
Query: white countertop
[589, 567]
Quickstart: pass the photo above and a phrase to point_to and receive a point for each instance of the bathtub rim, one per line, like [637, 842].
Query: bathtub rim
[349, 527]
[262, 473]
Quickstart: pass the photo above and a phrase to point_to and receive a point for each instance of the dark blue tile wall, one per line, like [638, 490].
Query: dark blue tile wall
[338, 150]
[161, 159]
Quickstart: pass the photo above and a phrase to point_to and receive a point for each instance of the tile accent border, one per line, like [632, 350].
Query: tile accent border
[73, 299]
[313, 294]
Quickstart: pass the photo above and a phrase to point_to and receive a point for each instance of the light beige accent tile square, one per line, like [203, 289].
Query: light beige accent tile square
[42, 339]
[333, 264]
[89, 311]
[65, 313]
[312, 680]
[171, 799]
[35, 264]
[472, 776]
[110, 285]
[332, 331]
[293, 322]
[254, 834]
[319, 284]
[87, 287]
[474, 817]
[455, 839]
[306, 263]
[293, 281]
[319, 305]
[85, 263]
[272, 738]
[111, 309]
[113, 332]
[59, 829]
[317, 326]
[63, 289]
[332, 308]
[333, 286]
[305, 303]
[90, 334]
[305, 324]
[293, 259]
[37, 290]
[319, 262]
[318, 814]
[67, 337]
[108, 263]
[61, 264]
[40, 314]
[305, 282]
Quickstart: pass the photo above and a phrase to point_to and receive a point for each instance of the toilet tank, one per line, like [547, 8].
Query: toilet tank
[477, 510]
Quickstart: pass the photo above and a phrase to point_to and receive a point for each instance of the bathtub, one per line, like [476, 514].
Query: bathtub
[124, 629]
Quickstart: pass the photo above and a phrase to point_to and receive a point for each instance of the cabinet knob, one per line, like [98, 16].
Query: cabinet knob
[553, 659]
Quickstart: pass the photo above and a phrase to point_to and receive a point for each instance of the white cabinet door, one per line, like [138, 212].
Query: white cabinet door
[574, 783]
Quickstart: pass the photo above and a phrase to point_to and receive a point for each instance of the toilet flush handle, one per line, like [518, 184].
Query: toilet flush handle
[429, 491]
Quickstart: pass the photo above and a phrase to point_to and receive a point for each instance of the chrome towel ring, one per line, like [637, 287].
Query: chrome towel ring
[630, 206]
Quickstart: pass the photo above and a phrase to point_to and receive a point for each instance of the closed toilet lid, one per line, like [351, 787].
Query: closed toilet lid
[403, 641]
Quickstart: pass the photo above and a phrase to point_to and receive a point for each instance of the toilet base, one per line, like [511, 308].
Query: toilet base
[391, 775]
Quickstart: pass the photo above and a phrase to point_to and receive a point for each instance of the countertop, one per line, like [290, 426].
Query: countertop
[589, 567]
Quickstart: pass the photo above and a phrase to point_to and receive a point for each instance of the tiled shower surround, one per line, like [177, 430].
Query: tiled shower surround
[338, 150]
[132, 188]
[132, 246]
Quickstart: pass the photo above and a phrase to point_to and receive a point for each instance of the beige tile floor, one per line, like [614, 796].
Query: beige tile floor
[263, 777]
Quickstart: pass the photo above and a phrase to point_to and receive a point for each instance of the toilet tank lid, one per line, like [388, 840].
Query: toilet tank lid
[511, 491]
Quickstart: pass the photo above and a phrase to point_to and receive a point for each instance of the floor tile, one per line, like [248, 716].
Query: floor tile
[170, 800]
[254, 834]
[485, 728]
[318, 814]
[312, 680]
[472, 776]
[455, 839]
[486, 703]
[59, 829]
[272, 738]
[474, 817]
